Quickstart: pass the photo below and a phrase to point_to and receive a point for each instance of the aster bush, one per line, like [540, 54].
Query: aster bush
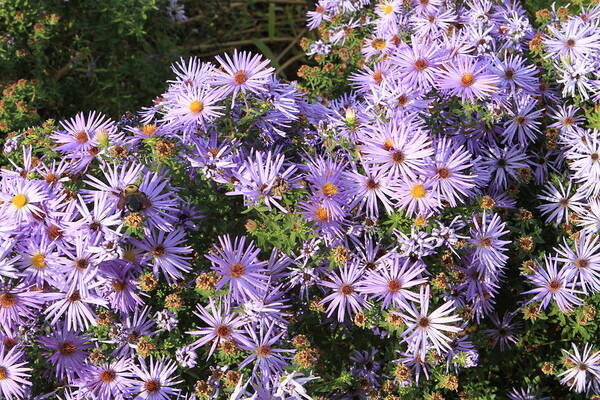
[416, 218]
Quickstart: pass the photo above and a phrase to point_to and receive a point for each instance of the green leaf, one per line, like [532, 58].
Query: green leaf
[266, 51]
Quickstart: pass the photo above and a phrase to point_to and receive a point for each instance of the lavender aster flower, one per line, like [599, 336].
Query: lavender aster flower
[467, 78]
[242, 72]
[426, 328]
[585, 370]
[553, 284]
[223, 325]
[345, 297]
[68, 351]
[238, 265]
[108, 381]
[391, 282]
[155, 381]
[186, 357]
[267, 359]
[13, 374]
[166, 253]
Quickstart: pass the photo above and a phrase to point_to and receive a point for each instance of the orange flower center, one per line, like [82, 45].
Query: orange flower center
[196, 107]
[237, 270]
[467, 80]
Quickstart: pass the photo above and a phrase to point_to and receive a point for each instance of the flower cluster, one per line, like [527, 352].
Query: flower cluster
[246, 238]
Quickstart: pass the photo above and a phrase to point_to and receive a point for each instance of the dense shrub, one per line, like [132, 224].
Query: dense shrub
[58, 57]
[417, 218]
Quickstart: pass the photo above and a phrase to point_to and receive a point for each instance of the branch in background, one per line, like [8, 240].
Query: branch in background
[291, 45]
[235, 5]
[64, 70]
[236, 43]
[289, 62]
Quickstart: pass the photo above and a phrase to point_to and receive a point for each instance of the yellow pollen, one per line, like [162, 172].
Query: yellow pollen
[149, 129]
[467, 80]
[378, 44]
[329, 189]
[263, 350]
[387, 9]
[321, 214]
[420, 221]
[418, 191]
[196, 106]
[20, 200]
[3, 373]
[129, 255]
[38, 261]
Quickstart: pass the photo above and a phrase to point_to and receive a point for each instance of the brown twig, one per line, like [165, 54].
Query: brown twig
[236, 43]
[289, 62]
[290, 46]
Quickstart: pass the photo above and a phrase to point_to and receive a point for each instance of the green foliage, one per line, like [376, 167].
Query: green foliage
[58, 57]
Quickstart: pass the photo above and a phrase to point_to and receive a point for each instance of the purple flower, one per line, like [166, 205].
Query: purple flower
[166, 254]
[503, 333]
[553, 284]
[345, 298]
[515, 75]
[121, 285]
[242, 72]
[186, 357]
[156, 380]
[583, 262]
[575, 41]
[40, 260]
[425, 329]
[108, 381]
[193, 108]
[166, 320]
[261, 178]
[392, 280]
[486, 236]
[239, 266]
[267, 359]
[447, 172]
[467, 78]
[18, 305]
[13, 374]
[21, 199]
[366, 190]
[399, 147]
[560, 202]
[67, 351]
[585, 371]
[128, 333]
[523, 394]
[523, 127]
[417, 197]
[222, 325]
[418, 65]
[77, 306]
[81, 135]
[503, 163]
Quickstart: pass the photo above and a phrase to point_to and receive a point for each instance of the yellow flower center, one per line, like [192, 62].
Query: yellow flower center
[20, 200]
[196, 106]
[378, 44]
[149, 129]
[3, 373]
[467, 79]
[38, 261]
[387, 9]
[420, 221]
[129, 255]
[321, 214]
[418, 191]
[329, 189]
